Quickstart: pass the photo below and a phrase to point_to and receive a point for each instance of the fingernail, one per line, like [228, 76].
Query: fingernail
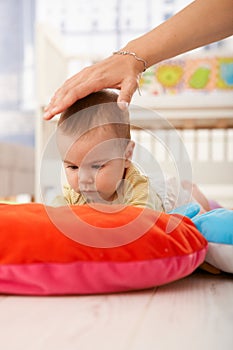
[54, 111]
[46, 115]
[123, 105]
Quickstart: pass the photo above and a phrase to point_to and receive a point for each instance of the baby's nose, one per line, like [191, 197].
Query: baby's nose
[85, 176]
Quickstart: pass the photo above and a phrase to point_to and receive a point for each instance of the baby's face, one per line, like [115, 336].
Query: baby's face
[95, 165]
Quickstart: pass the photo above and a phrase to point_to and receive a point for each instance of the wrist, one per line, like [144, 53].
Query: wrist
[138, 46]
[134, 55]
[149, 46]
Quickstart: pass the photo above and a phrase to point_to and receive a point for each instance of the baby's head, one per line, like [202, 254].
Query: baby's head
[99, 109]
[94, 140]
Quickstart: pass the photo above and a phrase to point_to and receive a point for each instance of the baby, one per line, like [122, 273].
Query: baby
[96, 148]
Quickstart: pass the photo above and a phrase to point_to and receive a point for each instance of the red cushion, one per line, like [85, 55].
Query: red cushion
[98, 251]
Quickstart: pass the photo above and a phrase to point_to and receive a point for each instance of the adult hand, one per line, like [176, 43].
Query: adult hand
[186, 30]
[125, 73]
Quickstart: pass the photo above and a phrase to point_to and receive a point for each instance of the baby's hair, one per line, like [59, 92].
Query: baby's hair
[99, 109]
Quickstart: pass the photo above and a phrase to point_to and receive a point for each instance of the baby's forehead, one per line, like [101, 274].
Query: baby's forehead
[92, 151]
[101, 138]
[98, 140]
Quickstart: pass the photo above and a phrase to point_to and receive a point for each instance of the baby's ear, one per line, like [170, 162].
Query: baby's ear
[129, 153]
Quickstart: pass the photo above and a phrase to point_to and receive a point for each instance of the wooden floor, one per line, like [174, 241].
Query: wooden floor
[192, 314]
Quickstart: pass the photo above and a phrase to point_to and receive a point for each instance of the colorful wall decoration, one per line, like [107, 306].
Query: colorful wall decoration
[189, 74]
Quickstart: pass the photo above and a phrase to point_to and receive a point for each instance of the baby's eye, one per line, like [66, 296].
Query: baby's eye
[72, 167]
[97, 166]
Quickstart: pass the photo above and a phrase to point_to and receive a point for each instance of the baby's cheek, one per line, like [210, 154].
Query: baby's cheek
[99, 177]
[102, 178]
[73, 180]
[111, 181]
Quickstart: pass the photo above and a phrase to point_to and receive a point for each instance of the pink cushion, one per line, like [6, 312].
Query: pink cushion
[98, 251]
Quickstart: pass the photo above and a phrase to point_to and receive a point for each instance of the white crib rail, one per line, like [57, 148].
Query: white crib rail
[209, 149]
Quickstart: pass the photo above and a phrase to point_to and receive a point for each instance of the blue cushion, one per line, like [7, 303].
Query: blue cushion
[190, 210]
[216, 225]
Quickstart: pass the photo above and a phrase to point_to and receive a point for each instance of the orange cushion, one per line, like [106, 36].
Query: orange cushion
[81, 249]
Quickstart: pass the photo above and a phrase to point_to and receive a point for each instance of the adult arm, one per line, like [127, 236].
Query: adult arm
[200, 23]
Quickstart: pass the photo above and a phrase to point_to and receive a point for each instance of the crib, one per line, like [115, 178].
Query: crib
[16, 171]
[190, 142]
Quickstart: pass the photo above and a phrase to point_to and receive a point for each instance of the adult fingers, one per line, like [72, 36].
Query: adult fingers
[60, 101]
[67, 94]
[88, 80]
[128, 87]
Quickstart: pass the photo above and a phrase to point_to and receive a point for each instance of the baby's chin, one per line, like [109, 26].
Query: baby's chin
[93, 197]
[96, 197]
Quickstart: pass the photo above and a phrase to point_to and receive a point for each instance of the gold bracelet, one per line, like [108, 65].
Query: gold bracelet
[132, 54]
